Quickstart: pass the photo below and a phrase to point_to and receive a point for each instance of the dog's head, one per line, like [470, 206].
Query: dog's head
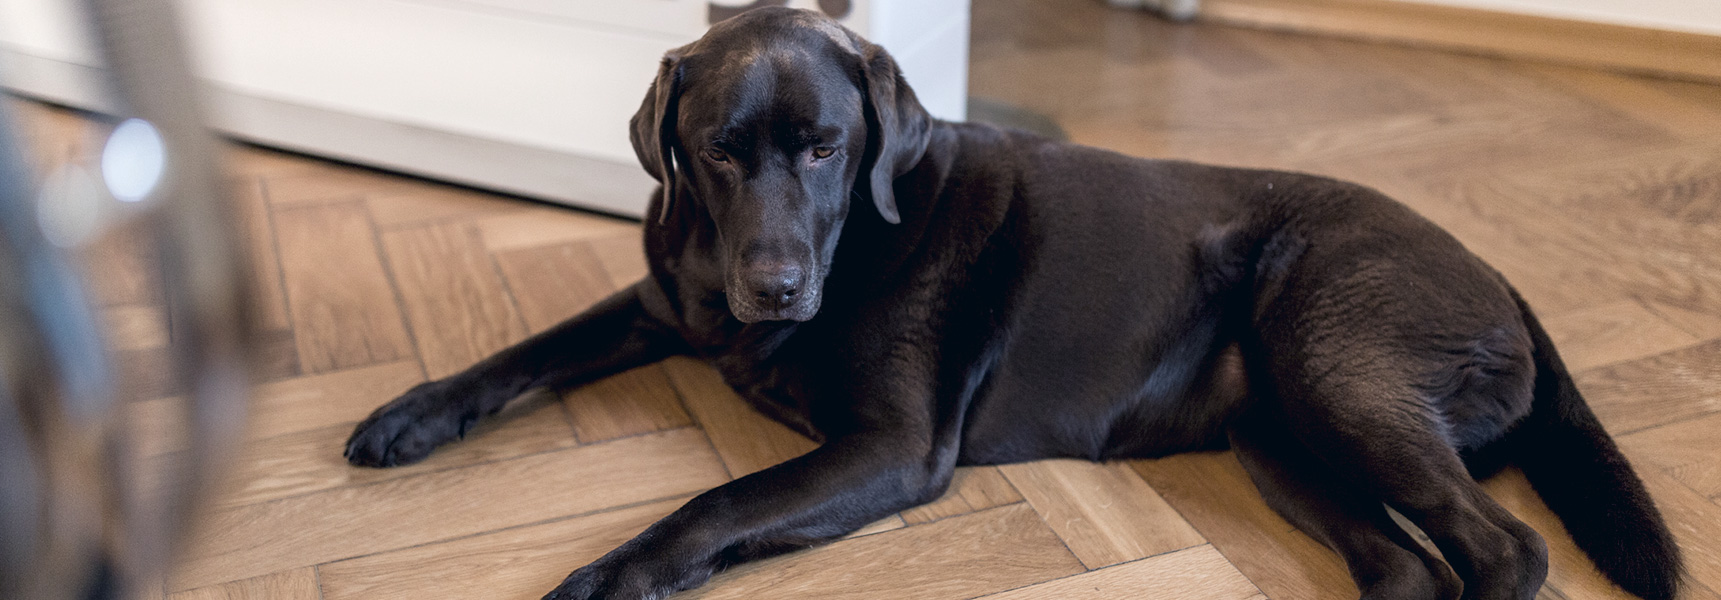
[770, 123]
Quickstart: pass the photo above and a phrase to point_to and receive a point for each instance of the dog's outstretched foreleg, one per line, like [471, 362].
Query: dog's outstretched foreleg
[841, 486]
[613, 336]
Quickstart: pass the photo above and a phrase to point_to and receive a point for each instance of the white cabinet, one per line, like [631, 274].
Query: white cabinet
[526, 96]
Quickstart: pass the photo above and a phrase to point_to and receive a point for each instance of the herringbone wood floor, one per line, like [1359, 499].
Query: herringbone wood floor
[1599, 195]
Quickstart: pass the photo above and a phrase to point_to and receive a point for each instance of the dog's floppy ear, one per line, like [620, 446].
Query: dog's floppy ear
[653, 128]
[897, 128]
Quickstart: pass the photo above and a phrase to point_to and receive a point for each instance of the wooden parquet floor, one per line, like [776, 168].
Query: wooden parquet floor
[1599, 196]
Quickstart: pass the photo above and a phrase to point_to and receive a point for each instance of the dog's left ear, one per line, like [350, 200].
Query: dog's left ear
[898, 128]
[653, 128]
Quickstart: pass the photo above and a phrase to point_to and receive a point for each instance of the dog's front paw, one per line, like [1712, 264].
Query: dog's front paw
[590, 582]
[405, 430]
[615, 578]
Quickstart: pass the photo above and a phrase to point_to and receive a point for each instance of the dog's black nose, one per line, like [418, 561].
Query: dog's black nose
[775, 288]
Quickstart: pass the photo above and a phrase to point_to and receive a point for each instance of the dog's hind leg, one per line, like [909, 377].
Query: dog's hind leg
[1365, 417]
[1385, 561]
[615, 335]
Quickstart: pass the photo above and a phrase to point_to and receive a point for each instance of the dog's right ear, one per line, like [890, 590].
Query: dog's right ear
[653, 128]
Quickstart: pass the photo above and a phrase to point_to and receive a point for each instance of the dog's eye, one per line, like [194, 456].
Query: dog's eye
[716, 155]
[823, 152]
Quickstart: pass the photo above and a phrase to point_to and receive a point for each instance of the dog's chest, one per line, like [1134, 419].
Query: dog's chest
[775, 389]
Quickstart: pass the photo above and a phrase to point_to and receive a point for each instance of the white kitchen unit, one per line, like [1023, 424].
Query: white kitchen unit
[524, 96]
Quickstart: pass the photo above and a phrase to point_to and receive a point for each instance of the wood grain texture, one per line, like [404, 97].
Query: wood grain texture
[747, 441]
[1658, 390]
[514, 564]
[279, 408]
[552, 283]
[1703, 324]
[295, 584]
[1105, 513]
[454, 297]
[343, 306]
[299, 463]
[630, 403]
[959, 557]
[532, 226]
[1689, 450]
[971, 489]
[256, 539]
[1692, 518]
[1613, 333]
[1198, 573]
[1212, 492]
[340, 397]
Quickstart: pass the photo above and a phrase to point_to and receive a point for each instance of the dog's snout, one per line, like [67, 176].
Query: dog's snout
[776, 287]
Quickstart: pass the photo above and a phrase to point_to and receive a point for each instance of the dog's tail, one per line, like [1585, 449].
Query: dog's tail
[1580, 474]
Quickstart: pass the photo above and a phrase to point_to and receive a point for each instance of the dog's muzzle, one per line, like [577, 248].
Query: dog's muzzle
[774, 292]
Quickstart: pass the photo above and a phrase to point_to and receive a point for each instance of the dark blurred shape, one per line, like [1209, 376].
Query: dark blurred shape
[837, 9]
[76, 520]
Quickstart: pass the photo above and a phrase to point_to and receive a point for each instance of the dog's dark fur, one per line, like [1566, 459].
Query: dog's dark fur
[997, 297]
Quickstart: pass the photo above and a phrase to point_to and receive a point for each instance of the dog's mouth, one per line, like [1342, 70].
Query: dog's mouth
[748, 310]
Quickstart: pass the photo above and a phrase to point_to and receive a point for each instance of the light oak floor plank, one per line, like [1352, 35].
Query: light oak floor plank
[630, 403]
[1105, 513]
[342, 523]
[299, 463]
[296, 584]
[747, 441]
[552, 283]
[971, 489]
[343, 306]
[414, 205]
[522, 563]
[1613, 333]
[1212, 492]
[959, 557]
[283, 407]
[1689, 450]
[1198, 573]
[542, 226]
[459, 308]
[1658, 390]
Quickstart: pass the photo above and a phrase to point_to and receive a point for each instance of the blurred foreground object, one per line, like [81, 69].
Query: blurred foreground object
[84, 513]
[1175, 10]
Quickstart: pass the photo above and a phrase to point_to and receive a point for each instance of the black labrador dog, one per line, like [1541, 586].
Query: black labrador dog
[1007, 298]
